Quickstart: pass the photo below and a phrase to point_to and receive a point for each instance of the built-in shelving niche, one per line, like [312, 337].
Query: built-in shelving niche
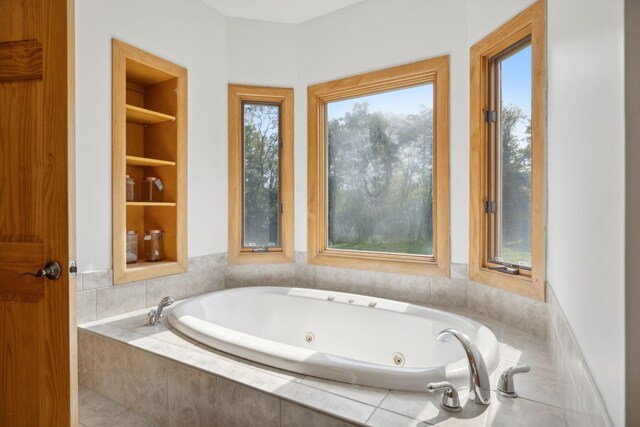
[149, 139]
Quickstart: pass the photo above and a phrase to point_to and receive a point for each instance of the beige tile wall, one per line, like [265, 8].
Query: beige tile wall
[172, 394]
[98, 298]
[523, 313]
[579, 395]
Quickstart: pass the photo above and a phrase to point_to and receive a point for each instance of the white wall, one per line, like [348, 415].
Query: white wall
[585, 125]
[586, 183]
[188, 33]
[483, 17]
[216, 50]
[377, 34]
[348, 42]
[262, 53]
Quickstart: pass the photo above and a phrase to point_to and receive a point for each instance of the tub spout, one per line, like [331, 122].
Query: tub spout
[479, 385]
[164, 302]
[156, 313]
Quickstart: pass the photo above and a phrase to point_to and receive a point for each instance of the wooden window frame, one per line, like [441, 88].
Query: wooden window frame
[434, 71]
[529, 282]
[283, 97]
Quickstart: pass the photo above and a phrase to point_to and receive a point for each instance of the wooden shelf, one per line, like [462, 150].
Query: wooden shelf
[144, 85]
[144, 270]
[169, 204]
[144, 161]
[142, 265]
[142, 116]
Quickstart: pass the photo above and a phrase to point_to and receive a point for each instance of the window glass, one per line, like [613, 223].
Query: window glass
[380, 172]
[513, 158]
[261, 175]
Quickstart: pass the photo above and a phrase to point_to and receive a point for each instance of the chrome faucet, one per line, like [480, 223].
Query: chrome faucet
[156, 313]
[479, 385]
[506, 386]
[450, 398]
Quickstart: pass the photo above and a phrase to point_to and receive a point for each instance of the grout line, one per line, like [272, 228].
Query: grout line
[322, 411]
[280, 419]
[539, 403]
[369, 417]
[218, 389]
[340, 395]
[383, 398]
[412, 418]
[167, 371]
[372, 412]
[124, 408]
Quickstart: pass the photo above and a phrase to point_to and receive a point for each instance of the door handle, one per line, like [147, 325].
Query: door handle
[52, 271]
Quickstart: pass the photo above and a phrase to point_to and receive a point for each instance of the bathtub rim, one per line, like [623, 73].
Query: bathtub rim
[394, 378]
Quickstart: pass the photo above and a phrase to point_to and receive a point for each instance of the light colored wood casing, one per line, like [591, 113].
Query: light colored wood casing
[529, 22]
[435, 71]
[150, 125]
[283, 97]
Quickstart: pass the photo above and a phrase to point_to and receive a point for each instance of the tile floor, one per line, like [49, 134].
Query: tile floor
[96, 410]
[538, 404]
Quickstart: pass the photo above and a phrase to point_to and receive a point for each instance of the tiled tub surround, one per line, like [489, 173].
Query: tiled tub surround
[351, 341]
[523, 313]
[98, 298]
[579, 396]
[175, 381]
[96, 410]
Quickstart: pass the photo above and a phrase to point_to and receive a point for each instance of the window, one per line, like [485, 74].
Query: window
[260, 174]
[507, 156]
[378, 170]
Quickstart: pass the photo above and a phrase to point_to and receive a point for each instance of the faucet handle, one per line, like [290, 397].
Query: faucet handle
[506, 387]
[450, 399]
[152, 318]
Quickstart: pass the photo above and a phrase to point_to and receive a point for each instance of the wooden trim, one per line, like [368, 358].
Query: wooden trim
[144, 116]
[529, 22]
[145, 161]
[436, 71]
[283, 97]
[119, 81]
[71, 216]
[163, 86]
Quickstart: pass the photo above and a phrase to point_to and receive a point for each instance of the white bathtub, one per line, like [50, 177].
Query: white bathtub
[335, 335]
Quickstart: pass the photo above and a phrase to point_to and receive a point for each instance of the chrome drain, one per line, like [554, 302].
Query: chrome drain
[398, 359]
[309, 337]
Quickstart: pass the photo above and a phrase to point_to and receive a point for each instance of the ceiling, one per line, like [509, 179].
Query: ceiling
[285, 11]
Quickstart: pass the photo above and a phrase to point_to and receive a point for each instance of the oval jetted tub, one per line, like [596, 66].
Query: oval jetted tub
[337, 336]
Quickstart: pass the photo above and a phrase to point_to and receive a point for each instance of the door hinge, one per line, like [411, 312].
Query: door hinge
[73, 268]
[489, 206]
[490, 116]
[281, 208]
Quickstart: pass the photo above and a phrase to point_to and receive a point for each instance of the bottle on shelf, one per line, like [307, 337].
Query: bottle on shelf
[152, 189]
[154, 245]
[132, 246]
[131, 187]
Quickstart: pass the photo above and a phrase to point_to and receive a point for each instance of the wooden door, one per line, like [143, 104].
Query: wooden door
[37, 315]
